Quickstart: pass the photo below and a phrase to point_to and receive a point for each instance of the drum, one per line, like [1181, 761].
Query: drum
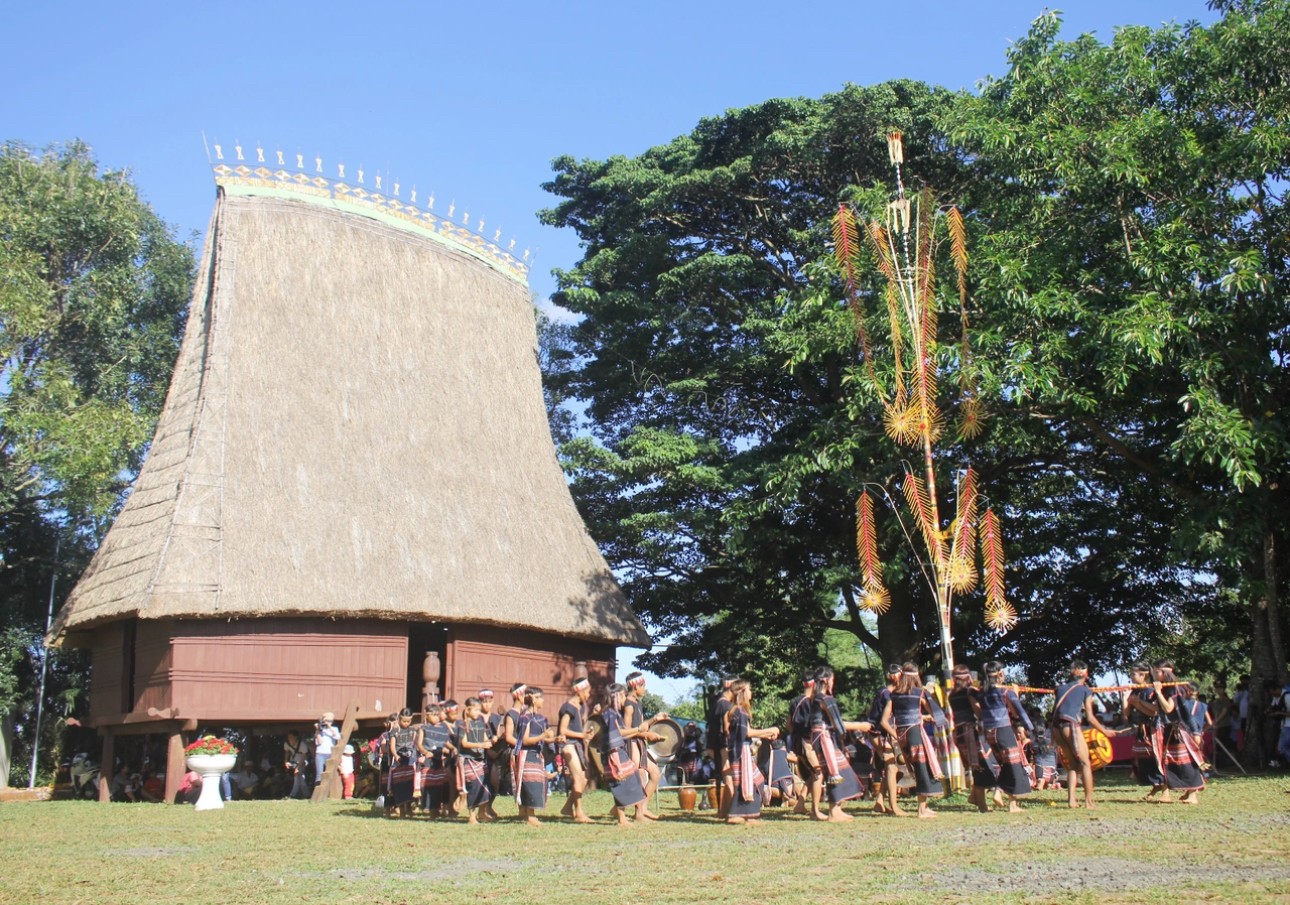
[1099, 750]
[666, 748]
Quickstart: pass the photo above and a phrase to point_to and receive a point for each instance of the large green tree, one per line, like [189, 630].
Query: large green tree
[1137, 262]
[728, 421]
[93, 293]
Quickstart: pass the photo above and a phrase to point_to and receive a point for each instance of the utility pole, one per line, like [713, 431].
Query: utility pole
[44, 667]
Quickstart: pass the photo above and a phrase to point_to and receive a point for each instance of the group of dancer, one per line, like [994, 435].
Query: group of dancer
[455, 760]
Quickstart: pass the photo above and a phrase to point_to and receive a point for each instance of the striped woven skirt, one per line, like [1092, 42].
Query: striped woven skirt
[1013, 778]
[748, 782]
[472, 775]
[1148, 757]
[976, 756]
[531, 779]
[920, 759]
[404, 785]
[1183, 758]
[839, 779]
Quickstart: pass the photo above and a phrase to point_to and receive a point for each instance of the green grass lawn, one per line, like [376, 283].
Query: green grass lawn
[1234, 847]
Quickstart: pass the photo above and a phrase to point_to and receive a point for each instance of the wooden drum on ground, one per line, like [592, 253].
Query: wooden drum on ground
[1099, 750]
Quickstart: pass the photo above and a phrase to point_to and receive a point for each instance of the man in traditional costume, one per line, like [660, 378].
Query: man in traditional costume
[1073, 707]
[717, 745]
[571, 735]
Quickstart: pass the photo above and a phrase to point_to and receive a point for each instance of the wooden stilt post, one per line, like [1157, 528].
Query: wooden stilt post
[175, 767]
[330, 786]
[107, 765]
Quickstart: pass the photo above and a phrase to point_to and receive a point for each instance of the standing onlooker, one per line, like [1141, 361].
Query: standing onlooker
[1282, 708]
[295, 757]
[1241, 700]
[347, 772]
[326, 737]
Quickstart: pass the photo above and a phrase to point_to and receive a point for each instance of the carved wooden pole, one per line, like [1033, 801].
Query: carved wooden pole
[430, 676]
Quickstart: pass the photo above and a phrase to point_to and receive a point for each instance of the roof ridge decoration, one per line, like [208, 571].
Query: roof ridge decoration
[237, 175]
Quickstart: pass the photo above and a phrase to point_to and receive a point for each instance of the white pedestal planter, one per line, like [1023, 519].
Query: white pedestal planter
[211, 767]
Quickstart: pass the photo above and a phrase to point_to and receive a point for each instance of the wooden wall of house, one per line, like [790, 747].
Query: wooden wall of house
[285, 670]
[481, 656]
[152, 663]
[107, 667]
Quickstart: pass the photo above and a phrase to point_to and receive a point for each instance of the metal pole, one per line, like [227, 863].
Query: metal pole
[44, 664]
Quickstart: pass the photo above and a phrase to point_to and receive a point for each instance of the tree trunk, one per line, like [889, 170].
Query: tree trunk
[6, 749]
[1267, 658]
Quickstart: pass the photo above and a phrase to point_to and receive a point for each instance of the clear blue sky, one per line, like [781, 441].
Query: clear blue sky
[470, 101]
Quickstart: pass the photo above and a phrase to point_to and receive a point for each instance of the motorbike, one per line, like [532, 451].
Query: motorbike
[84, 771]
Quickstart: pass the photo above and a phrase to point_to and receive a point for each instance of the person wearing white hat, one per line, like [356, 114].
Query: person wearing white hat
[347, 772]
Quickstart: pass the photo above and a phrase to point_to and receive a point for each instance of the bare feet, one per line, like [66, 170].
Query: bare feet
[533, 821]
[925, 813]
[582, 818]
[837, 815]
[1014, 808]
[734, 821]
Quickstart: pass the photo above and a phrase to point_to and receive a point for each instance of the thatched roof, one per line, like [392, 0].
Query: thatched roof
[355, 428]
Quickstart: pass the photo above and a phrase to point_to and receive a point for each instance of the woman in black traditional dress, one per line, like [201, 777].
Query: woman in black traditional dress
[1183, 758]
[902, 720]
[967, 738]
[404, 782]
[745, 779]
[998, 707]
[622, 771]
[828, 739]
[472, 765]
[1143, 714]
[532, 735]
